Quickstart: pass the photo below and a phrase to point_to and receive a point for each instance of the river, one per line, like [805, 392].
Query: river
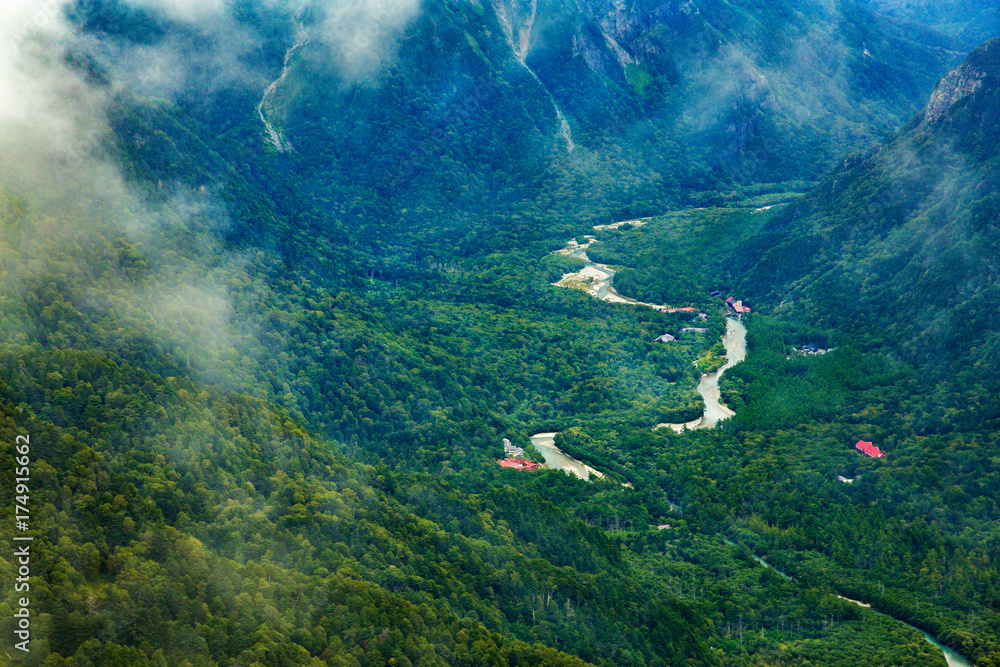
[952, 657]
[555, 458]
[596, 279]
[735, 341]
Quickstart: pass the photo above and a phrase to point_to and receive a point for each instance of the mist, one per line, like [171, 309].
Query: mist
[363, 34]
[153, 272]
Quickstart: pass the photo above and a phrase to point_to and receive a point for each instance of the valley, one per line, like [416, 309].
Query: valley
[735, 342]
[596, 280]
[282, 282]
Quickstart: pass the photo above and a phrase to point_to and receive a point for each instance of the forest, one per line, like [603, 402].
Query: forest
[266, 389]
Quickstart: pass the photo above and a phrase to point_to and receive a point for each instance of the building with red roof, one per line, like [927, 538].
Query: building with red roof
[519, 464]
[868, 449]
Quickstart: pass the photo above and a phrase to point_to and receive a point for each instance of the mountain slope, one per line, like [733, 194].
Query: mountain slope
[972, 21]
[456, 102]
[767, 89]
[900, 245]
[173, 522]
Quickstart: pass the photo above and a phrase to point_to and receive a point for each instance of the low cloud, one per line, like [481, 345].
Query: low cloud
[68, 217]
[363, 34]
[204, 49]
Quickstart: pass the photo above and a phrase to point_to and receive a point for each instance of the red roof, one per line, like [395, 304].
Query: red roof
[869, 449]
[519, 464]
[685, 309]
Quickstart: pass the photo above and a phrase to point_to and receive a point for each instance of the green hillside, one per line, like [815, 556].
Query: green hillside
[970, 20]
[896, 244]
[277, 280]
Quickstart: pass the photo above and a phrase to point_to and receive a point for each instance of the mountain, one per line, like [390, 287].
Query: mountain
[277, 284]
[898, 245]
[229, 533]
[678, 97]
[475, 109]
[760, 87]
[972, 21]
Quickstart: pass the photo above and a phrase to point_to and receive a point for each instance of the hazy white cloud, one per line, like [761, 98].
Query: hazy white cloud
[63, 201]
[49, 116]
[363, 34]
[177, 64]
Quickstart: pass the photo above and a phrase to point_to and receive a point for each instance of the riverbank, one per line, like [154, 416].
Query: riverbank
[595, 279]
[735, 342]
[952, 657]
[556, 459]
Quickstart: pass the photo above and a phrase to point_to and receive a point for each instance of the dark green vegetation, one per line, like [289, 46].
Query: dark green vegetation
[265, 390]
[889, 261]
[972, 21]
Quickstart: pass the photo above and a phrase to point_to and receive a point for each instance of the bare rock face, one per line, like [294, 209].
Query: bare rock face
[959, 83]
[981, 67]
[517, 17]
[621, 23]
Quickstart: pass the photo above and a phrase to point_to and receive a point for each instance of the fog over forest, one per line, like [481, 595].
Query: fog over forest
[437, 332]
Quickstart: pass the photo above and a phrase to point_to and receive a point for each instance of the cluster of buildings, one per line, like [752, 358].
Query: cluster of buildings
[519, 464]
[731, 302]
[514, 458]
[669, 338]
[737, 306]
[811, 348]
[510, 450]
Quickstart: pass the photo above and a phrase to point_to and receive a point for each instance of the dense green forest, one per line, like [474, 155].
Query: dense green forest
[266, 377]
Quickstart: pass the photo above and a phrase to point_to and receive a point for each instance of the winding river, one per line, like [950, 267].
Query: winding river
[596, 280]
[735, 341]
[951, 656]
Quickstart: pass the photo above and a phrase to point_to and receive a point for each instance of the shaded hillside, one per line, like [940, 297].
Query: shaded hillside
[441, 116]
[667, 98]
[972, 21]
[899, 246]
[174, 522]
[752, 91]
[366, 252]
